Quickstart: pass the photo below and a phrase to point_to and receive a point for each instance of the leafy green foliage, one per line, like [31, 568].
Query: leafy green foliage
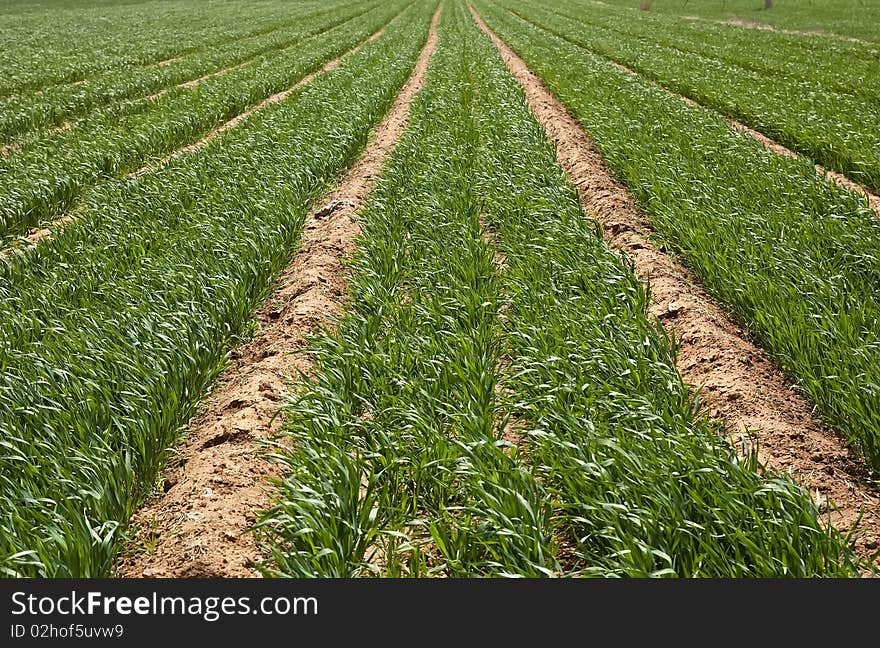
[792, 256]
[829, 18]
[64, 41]
[113, 329]
[34, 109]
[829, 111]
[50, 173]
[398, 467]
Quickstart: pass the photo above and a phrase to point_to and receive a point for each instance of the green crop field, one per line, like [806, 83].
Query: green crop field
[847, 18]
[483, 385]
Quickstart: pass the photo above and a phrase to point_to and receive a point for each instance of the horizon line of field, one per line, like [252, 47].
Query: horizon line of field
[45, 227]
[155, 62]
[716, 322]
[831, 174]
[11, 135]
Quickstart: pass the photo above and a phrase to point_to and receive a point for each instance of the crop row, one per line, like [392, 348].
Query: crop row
[22, 112]
[828, 20]
[68, 44]
[480, 290]
[825, 63]
[792, 256]
[111, 331]
[49, 174]
[837, 130]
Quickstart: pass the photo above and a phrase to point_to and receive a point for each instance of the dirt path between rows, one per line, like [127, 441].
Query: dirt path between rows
[36, 234]
[740, 384]
[219, 481]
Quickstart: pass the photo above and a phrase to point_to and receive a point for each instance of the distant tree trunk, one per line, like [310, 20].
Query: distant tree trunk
[768, 4]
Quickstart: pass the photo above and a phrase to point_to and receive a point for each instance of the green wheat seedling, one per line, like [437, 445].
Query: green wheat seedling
[51, 172]
[791, 256]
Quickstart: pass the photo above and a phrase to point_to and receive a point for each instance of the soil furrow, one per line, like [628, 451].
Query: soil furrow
[737, 382]
[220, 480]
[8, 150]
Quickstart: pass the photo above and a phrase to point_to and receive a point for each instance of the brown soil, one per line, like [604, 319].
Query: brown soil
[219, 481]
[512, 432]
[749, 24]
[8, 150]
[36, 234]
[157, 95]
[12, 148]
[737, 381]
[60, 128]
